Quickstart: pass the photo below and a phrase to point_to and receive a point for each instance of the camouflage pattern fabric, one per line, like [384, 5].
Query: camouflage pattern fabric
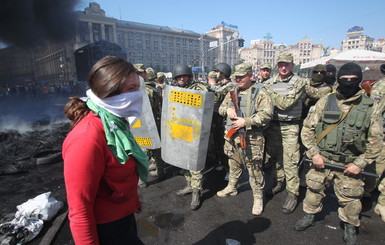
[348, 189]
[378, 96]
[314, 93]
[282, 138]
[282, 146]
[253, 155]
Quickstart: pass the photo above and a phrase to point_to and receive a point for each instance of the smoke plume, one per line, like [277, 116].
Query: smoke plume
[25, 23]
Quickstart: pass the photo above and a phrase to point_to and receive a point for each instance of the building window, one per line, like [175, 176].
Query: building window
[84, 32]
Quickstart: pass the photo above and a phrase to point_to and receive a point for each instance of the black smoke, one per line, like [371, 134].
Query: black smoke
[26, 23]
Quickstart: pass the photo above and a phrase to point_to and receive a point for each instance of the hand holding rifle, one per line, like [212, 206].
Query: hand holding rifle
[238, 123]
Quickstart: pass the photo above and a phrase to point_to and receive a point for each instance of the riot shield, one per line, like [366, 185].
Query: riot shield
[144, 128]
[185, 126]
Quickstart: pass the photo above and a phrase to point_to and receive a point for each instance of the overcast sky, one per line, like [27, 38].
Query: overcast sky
[286, 21]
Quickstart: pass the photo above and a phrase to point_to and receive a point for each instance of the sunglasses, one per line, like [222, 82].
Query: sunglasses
[322, 72]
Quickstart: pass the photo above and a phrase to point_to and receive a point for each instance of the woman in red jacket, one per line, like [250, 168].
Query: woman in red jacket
[102, 161]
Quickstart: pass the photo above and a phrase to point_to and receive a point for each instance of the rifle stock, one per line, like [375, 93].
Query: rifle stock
[342, 168]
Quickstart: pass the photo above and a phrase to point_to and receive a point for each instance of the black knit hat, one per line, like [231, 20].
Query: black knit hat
[350, 69]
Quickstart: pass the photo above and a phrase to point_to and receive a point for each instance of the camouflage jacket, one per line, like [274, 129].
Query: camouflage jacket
[378, 94]
[287, 101]
[155, 100]
[374, 135]
[221, 89]
[314, 93]
[263, 106]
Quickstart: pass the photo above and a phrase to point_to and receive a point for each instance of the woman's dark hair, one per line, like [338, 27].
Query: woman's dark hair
[105, 80]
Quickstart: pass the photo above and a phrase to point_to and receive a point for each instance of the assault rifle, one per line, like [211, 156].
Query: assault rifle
[342, 168]
[241, 131]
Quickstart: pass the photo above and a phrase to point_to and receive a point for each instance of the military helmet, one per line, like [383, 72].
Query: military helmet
[224, 68]
[151, 75]
[180, 70]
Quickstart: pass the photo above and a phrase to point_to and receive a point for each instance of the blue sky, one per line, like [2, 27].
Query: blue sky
[286, 21]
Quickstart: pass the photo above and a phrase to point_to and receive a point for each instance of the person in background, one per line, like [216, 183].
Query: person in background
[330, 77]
[183, 76]
[212, 78]
[151, 74]
[376, 91]
[264, 72]
[141, 70]
[102, 161]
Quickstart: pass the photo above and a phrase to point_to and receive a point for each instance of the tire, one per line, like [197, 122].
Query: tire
[47, 157]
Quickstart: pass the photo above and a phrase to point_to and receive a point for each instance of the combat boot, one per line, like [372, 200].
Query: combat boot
[290, 203]
[228, 191]
[187, 190]
[380, 210]
[258, 204]
[196, 199]
[305, 222]
[277, 188]
[349, 234]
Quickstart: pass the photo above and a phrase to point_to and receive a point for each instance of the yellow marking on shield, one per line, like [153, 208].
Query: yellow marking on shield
[186, 98]
[182, 132]
[143, 141]
[137, 124]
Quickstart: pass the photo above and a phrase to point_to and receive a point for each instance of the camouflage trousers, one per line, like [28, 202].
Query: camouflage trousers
[282, 146]
[156, 155]
[377, 167]
[251, 158]
[195, 178]
[348, 190]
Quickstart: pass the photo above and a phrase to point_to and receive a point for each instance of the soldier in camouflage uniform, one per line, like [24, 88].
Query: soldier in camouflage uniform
[287, 92]
[377, 93]
[151, 74]
[183, 76]
[141, 70]
[223, 86]
[353, 143]
[315, 88]
[156, 162]
[256, 106]
[212, 79]
[264, 72]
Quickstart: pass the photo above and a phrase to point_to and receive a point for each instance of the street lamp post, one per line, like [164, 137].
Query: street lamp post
[203, 57]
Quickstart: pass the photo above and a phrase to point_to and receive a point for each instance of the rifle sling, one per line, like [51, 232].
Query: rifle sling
[330, 127]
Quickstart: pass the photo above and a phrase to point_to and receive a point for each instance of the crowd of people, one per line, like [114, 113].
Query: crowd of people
[273, 121]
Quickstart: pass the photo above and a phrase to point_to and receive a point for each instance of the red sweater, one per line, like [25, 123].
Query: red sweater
[99, 188]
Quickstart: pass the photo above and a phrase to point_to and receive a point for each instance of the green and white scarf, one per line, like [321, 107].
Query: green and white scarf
[120, 140]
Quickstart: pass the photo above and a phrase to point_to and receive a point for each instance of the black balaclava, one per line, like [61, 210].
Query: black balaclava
[345, 87]
[318, 78]
[330, 79]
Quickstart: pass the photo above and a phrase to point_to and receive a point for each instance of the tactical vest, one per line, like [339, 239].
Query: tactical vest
[282, 88]
[347, 141]
[242, 100]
